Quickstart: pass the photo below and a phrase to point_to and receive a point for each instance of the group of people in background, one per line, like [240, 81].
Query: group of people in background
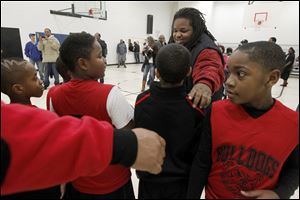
[289, 59]
[230, 147]
[44, 54]
[135, 48]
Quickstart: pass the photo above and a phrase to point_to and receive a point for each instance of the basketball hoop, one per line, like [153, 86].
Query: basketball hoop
[258, 24]
[259, 20]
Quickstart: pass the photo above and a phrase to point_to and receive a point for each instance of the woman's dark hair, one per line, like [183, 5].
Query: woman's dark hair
[197, 21]
[293, 50]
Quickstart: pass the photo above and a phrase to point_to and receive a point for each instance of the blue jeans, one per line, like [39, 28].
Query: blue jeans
[50, 67]
[137, 57]
[40, 67]
[149, 68]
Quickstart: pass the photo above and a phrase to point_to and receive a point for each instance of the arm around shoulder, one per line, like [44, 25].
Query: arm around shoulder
[83, 145]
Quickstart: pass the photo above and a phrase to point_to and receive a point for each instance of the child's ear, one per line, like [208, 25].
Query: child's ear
[17, 89]
[157, 73]
[189, 72]
[82, 64]
[273, 77]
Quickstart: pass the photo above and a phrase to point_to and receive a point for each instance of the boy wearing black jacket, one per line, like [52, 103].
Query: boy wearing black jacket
[166, 109]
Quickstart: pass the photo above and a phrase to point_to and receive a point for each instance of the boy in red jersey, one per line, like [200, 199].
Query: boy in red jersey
[83, 95]
[249, 146]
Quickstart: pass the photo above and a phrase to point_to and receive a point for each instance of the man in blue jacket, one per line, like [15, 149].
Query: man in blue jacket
[34, 55]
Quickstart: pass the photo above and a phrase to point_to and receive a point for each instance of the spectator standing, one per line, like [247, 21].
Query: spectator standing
[289, 61]
[34, 55]
[161, 41]
[49, 46]
[136, 50]
[121, 51]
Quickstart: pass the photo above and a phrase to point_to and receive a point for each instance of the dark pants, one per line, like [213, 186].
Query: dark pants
[50, 67]
[286, 73]
[157, 190]
[137, 57]
[125, 192]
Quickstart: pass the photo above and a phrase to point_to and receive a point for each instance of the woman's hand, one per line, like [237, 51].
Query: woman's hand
[201, 95]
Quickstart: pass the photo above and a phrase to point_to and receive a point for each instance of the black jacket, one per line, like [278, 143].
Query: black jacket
[104, 47]
[168, 112]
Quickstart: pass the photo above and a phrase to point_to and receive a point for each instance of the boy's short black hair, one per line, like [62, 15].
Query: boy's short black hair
[75, 46]
[267, 54]
[12, 72]
[173, 62]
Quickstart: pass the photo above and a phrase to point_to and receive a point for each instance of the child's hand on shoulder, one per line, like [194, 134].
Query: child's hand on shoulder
[260, 194]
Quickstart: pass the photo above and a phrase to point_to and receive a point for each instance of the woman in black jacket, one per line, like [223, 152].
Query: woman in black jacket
[289, 61]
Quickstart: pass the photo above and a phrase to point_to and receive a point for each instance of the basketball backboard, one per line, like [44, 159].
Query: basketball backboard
[91, 9]
[259, 16]
[95, 9]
